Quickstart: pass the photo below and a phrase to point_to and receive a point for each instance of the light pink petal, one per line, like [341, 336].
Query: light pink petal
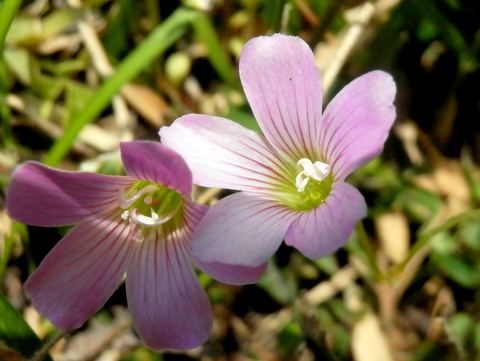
[169, 307]
[224, 154]
[284, 89]
[357, 121]
[233, 274]
[325, 229]
[43, 196]
[241, 229]
[154, 162]
[81, 272]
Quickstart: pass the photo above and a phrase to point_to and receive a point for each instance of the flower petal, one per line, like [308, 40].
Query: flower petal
[43, 196]
[325, 229]
[232, 274]
[283, 87]
[223, 154]
[81, 272]
[153, 162]
[241, 229]
[169, 307]
[357, 121]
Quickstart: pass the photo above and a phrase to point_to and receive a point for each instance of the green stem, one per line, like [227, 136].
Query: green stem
[216, 53]
[5, 255]
[5, 112]
[40, 354]
[8, 10]
[140, 58]
[366, 247]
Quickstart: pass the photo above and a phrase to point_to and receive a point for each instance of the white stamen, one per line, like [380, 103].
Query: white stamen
[318, 171]
[125, 202]
[154, 220]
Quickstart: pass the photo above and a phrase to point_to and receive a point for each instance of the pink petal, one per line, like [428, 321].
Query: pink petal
[357, 121]
[241, 229]
[325, 229]
[223, 154]
[153, 162]
[44, 196]
[232, 274]
[81, 272]
[283, 87]
[169, 307]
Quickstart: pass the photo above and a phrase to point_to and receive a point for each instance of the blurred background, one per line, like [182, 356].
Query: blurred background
[78, 77]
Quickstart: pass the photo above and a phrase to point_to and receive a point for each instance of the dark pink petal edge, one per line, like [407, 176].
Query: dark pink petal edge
[43, 196]
[154, 162]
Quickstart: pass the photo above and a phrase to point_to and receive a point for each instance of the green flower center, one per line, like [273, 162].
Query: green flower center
[313, 184]
[148, 207]
[314, 194]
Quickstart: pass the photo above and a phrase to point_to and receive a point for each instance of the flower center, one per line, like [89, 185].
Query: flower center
[147, 206]
[318, 171]
[313, 184]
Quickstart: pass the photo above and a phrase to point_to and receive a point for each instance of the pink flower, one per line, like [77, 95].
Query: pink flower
[293, 178]
[140, 225]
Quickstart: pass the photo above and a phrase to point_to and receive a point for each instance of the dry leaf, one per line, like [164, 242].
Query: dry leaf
[149, 104]
[369, 343]
[394, 235]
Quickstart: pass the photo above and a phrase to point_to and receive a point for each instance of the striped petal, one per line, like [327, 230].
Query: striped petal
[325, 229]
[43, 196]
[169, 307]
[81, 272]
[232, 274]
[283, 87]
[153, 162]
[356, 123]
[242, 229]
[223, 154]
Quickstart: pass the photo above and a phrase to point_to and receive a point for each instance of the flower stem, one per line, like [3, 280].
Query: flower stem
[8, 10]
[40, 354]
[367, 250]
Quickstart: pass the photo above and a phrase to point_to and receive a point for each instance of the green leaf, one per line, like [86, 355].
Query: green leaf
[460, 269]
[278, 285]
[244, 118]
[18, 61]
[16, 333]
[27, 30]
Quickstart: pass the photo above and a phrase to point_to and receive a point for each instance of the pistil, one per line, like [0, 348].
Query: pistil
[318, 171]
[147, 207]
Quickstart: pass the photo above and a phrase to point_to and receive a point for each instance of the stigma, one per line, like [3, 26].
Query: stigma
[317, 171]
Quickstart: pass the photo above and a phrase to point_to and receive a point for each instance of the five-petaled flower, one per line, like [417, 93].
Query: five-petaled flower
[293, 177]
[140, 225]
